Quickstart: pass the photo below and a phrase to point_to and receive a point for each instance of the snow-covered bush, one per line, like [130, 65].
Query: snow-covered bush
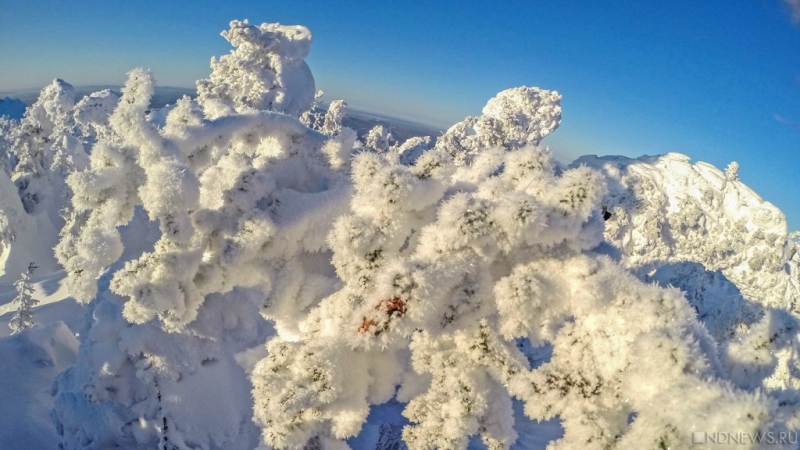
[445, 263]
[389, 271]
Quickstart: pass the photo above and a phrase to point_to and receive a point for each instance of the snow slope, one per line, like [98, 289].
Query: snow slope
[30, 361]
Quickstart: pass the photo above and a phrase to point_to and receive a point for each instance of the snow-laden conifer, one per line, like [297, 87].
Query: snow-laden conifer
[243, 204]
[23, 317]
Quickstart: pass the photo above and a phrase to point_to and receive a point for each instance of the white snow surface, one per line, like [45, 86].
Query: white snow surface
[705, 232]
[30, 362]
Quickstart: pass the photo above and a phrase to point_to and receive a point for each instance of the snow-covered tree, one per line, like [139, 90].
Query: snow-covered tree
[242, 202]
[702, 230]
[43, 143]
[23, 317]
[378, 271]
[446, 263]
[732, 171]
[265, 71]
[38, 152]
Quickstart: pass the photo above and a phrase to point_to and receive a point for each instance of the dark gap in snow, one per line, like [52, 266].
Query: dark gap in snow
[404, 247]
[383, 427]
[498, 170]
[605, 248]
[533, 434]
[536, 355]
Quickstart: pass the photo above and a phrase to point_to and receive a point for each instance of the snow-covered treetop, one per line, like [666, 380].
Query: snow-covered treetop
[265, 71]
[289, 43]
[666, 209]
[525, 115]
[514, 118]
[91, 113]
[53, 106]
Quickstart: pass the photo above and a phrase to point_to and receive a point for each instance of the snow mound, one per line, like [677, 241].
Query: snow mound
[30, 361]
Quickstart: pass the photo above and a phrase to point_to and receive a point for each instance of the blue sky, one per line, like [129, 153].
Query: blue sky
[718, 80]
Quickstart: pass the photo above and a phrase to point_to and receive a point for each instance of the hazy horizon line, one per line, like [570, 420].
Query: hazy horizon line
[30, 95]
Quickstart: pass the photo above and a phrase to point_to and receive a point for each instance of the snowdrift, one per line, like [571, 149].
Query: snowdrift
[31, 360]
